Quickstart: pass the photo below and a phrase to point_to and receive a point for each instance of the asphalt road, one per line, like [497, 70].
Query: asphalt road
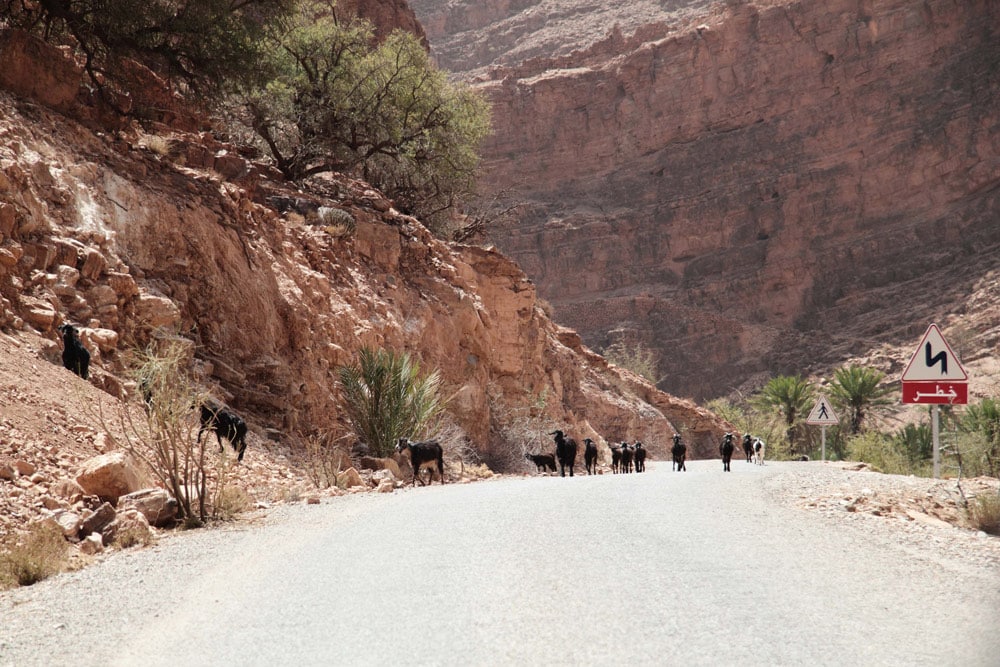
[696, 568]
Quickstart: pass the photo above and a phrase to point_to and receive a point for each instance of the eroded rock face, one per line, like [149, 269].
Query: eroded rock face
[272, 303]
[758, 187]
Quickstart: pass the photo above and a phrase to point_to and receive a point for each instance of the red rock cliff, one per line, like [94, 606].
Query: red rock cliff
[759, 188]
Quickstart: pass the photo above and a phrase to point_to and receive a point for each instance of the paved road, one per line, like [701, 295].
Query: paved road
[663, 568]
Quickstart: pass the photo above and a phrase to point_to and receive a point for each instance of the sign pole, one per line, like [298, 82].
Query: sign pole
[823, 436]
[937, 447]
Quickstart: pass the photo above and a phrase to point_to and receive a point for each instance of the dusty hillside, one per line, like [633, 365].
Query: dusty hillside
[750, 188]
[127, 232]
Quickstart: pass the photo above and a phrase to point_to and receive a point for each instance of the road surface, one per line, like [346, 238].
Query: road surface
[659, 568]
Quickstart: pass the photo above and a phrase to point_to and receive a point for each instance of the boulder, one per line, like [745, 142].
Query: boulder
[349, 478]
[128, 529]
[158, 506]
[69, 522]
[109, 476]
[92, 544]
[97, 520]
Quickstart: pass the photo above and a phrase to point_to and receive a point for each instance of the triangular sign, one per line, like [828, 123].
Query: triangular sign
[934, 360]
[822, 414]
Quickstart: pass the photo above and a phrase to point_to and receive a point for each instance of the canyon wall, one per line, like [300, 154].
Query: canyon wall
[746, 187]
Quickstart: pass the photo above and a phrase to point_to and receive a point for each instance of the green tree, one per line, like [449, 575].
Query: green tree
[916, 441]
[982, 422]
[790, 397]
[200, 44]
[859, 391]
[341, 102]
[385, 398]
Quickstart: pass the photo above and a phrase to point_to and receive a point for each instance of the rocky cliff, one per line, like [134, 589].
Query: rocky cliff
[132, 232]
[749, 187]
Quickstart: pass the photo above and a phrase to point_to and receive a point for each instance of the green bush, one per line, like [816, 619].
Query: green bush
[879, 451]
[386, 398]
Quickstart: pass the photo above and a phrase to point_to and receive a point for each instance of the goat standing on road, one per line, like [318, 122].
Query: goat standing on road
[590, 456]
[423, 454]
[542, 461]
[640, 457]
[679, 453]
[565, 452]
[758, 447]
[726, 450]
[616, 459]
[626, 457]
[748, 447]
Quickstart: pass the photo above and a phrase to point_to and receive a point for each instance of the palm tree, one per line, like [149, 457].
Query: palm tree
[386, 399]
[983, 418]
[791, 397]
[858, 390]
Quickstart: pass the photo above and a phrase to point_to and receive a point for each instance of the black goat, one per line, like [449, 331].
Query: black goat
[590, 456]
[679, 453]
[640, 457]
[747, 447]
[543, 461]
[424, 454]
[75, 356]
[616, 459]
[565, 452]
[626, 457]
[226, 424]
[726, 450]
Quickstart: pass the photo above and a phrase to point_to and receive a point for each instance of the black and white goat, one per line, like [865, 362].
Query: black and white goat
[590, 456]
[425, 454]
[542, 461]
[226, 424]
[679, 453]
[640, 457]
[75, 356]
[565, 452]
[758, 448]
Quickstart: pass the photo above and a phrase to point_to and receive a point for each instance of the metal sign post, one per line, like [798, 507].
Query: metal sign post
[822, 415]
[935, 377]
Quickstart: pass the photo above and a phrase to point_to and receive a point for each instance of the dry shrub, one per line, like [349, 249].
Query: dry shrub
[35, 555]
[126, 538]
[323, 459]
[337, 222]
[984, 513]
[516, 431]
[157, 144]
[230, 501]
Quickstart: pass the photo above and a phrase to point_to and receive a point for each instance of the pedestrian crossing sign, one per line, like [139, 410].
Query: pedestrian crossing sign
[822, 414]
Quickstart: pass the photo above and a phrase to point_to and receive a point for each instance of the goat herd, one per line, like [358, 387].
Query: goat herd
[625, 457]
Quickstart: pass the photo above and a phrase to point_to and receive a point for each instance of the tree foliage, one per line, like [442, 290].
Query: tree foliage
[790, 397]
[859, 391]
[386, 398]
[199, 43]
[383, 112]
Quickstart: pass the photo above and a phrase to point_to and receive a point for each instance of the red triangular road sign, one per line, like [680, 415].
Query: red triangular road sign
[934, 360]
